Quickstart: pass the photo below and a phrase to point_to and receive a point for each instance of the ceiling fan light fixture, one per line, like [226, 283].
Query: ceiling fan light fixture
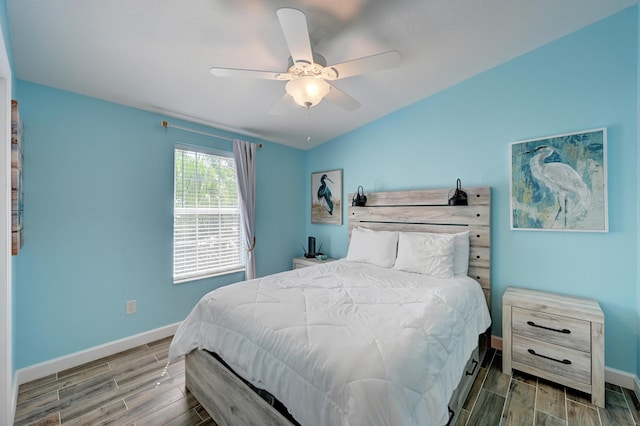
[307, 91]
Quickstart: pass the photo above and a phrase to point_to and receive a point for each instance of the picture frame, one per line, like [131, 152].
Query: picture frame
[326, 197]
[17, 191]
[559, 183]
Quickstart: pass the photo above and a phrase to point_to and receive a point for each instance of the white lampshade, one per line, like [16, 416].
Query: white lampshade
[307, 91]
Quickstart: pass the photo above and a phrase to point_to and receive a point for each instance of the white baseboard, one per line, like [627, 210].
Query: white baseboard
[620, 378]
[611, 375]
[46, 368]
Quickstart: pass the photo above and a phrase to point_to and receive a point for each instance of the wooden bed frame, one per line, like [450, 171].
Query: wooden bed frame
[231, 401]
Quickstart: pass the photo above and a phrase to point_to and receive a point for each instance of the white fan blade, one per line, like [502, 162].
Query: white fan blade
[284, 106]
[296, 33]
[235, 72]
[363, 65]
[341, 99]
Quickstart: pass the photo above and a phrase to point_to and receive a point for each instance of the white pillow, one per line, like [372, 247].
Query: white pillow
[376, 247]
[426, 254]
[461, 253]
[460, 250]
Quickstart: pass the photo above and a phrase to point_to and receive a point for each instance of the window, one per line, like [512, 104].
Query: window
[206, 215]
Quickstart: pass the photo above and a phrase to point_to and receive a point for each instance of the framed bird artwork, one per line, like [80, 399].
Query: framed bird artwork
[326, 197]
[559, 183]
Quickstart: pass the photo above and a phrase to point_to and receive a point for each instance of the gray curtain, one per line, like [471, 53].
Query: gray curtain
[244, 154]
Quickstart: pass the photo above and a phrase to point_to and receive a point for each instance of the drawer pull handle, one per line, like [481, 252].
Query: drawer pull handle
[561, 361]
[563, 331]
[473, 371]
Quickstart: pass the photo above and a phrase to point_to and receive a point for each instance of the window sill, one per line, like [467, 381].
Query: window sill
[203, 277]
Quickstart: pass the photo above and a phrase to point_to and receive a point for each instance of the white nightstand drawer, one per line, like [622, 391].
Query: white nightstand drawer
[575, 365]
[564, 331]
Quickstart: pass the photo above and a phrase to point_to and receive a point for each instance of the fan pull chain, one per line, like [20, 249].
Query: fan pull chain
[309, 123]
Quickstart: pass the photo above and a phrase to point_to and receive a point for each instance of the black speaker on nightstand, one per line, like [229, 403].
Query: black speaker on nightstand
[311, 250]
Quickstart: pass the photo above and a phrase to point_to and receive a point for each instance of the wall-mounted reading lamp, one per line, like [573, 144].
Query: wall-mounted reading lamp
[459, 197]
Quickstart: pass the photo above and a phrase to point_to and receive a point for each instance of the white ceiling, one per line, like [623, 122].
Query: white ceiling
[156, 54]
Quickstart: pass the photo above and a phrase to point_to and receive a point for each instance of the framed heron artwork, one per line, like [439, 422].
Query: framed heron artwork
[326, 197]
[559, 183]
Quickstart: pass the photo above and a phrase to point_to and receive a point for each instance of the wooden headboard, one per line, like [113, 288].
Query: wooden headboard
[427, 210]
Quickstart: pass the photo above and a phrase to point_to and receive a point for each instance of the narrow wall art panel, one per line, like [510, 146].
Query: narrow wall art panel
[17, 195]
[559, 183]
[326, 197]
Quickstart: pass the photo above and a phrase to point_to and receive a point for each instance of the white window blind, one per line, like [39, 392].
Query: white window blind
[206, 219]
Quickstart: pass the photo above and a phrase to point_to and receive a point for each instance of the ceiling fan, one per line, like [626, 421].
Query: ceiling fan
[308, 74]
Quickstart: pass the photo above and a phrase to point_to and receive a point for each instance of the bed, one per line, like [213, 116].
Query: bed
[356, 341]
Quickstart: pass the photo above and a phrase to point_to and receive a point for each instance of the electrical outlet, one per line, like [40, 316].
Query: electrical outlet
[131, 307]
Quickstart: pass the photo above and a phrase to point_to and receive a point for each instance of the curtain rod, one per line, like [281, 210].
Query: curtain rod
[166, 125]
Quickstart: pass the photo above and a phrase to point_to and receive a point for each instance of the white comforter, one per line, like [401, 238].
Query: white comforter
[344, 343]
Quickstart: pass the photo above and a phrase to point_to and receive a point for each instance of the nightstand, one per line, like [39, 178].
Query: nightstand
[556, 337]
[303, 262]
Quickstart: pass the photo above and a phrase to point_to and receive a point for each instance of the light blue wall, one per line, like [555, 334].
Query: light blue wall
[583, 81]
[98, 181]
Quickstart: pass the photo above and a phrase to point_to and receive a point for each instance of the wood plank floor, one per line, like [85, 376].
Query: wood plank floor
[521, 399]
[139, 387]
